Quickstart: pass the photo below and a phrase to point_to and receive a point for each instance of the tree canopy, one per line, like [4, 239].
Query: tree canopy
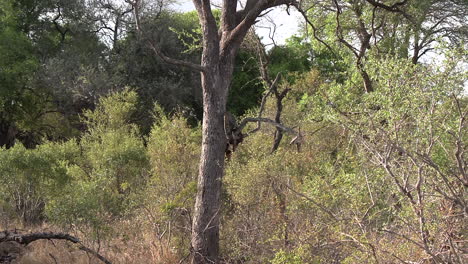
[345, 144]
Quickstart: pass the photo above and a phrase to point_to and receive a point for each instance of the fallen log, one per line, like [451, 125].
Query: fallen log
[25, 239]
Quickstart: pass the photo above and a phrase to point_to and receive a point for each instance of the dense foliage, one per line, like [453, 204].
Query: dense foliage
[100, 137]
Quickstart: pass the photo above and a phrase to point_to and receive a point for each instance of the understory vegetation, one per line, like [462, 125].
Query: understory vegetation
[101, 138]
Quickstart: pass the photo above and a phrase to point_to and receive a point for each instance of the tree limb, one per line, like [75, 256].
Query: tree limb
[264, 99]
[25, 239]
[314, 29]
[177, 62]
[395, 8]
[339, 31]
[207, 19]
[247, 17]
[246, 120]
[228, 16]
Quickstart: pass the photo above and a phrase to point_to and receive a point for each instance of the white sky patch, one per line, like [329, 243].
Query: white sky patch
[286, 25]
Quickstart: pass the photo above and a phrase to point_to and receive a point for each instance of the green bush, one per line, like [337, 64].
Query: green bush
[30, 178]
[112, 168]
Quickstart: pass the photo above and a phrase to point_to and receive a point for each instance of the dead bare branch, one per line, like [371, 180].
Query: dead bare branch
[25, 239]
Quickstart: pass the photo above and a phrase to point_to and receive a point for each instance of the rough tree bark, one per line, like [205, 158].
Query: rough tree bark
[220, 46]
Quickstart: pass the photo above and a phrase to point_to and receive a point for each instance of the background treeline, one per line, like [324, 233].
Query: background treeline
[102, 138]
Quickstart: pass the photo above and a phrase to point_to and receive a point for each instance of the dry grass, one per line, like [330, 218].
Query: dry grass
[136, 246]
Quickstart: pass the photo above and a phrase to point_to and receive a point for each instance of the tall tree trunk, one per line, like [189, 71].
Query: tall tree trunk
[8, 133]
[205, 228]
[220, 45]
[221, 41]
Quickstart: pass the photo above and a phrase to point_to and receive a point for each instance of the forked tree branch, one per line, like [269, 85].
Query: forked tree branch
[395, 8]
[263, 61]
[246, 18]
[207, 20]
[264, 99]
[228, 16]
[339, 31]
[247, 120]
[364, 40]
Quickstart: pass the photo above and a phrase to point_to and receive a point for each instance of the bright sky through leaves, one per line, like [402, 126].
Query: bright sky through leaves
[286, 25]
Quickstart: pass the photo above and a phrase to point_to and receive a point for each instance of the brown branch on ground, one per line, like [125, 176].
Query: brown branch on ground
[25, 239]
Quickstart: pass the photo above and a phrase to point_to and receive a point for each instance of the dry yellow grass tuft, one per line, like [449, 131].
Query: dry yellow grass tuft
[137, 246]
